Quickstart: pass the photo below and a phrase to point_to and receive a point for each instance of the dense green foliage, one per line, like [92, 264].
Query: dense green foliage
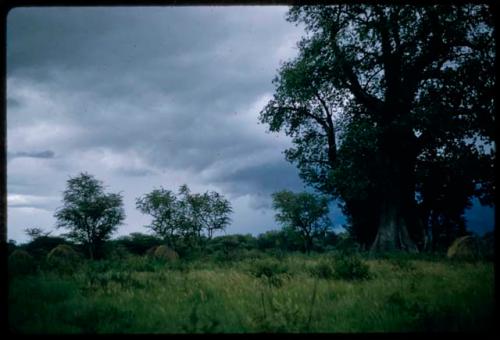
[186, 218]
[90, 214]
[391, 111]
[138, 243]
[141, 295]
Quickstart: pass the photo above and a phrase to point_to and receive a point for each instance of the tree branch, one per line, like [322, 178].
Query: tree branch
[305, 112]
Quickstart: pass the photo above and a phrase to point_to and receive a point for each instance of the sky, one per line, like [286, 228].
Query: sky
[149, 97]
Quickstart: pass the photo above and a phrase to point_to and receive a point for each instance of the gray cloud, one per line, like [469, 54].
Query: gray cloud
[262, 180]
[147, 97]
[31, 201]
[39, 154]
[165, 80]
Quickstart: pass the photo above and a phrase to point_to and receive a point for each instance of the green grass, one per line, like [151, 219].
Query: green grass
[139, 296]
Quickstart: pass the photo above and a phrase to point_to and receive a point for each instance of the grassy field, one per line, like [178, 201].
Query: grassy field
[293, 293]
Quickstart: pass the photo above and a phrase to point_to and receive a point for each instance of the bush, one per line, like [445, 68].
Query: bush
[351, 268]
[63, 258]
[346, 244]
[270, 270]
[116, 251]
[323, 270]
[253, 254]
[21, 263]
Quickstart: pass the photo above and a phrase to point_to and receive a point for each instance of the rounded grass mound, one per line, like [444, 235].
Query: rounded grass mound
[63, 258]
[465, 248]
[164, 253]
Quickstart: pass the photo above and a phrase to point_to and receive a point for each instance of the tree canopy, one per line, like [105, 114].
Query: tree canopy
[90, 214]
[305, 213]
[186, 216]
[382, 100]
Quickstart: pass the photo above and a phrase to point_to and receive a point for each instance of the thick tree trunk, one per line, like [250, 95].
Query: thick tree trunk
[393, 230]
[397, 204]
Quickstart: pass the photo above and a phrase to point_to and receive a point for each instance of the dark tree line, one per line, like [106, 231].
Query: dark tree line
[391, 111]
[224, 247]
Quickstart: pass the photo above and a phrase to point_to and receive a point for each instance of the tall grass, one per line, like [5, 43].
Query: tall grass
[137, 295]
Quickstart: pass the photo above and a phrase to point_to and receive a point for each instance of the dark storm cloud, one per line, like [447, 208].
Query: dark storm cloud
[170, 82]
[190, 53]
[261, 179]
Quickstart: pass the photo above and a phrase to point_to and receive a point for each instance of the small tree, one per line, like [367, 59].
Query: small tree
[185, 216]
[303, 212]
[164, 207]
[216, 212]
[90, 214]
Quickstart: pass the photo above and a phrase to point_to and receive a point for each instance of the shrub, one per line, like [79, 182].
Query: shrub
[21, 263]
[323, 270]
[253, 254]
[351, 268]
[63, 258]
[220, 257]
[270, 270]
[346, 244]
[116, 251]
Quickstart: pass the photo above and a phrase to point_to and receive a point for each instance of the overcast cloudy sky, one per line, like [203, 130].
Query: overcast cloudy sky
[143, 98]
